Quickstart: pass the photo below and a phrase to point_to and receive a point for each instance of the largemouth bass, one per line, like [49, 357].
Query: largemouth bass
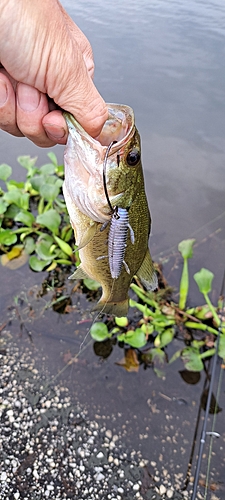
[110, 253]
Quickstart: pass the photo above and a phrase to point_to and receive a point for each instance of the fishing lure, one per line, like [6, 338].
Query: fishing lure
[118, 230]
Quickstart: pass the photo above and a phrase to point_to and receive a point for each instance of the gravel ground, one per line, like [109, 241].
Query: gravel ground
[51, 449]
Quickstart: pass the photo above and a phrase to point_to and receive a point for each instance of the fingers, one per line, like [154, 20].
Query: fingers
[8, 106]
[25, 112]
[32, 108]
[55, 127]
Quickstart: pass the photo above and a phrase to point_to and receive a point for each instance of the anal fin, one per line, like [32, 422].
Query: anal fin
[78, 274]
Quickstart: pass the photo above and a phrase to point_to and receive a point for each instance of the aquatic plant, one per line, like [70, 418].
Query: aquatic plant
[34, 222]
[161, 319]
[35, 226]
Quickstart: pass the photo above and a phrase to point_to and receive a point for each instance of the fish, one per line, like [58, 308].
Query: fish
[111, 220]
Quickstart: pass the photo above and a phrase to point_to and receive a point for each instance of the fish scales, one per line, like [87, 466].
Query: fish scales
[125, 187]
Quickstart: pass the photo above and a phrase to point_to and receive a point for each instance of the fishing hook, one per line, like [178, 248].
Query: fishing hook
[104, 174]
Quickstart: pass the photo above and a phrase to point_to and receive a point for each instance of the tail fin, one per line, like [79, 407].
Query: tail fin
[112, 308]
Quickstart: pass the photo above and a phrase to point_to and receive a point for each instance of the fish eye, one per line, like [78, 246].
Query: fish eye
[133, 157]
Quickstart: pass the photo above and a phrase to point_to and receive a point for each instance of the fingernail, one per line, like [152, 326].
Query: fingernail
[3, 93]
[28, 97]
[55, 132]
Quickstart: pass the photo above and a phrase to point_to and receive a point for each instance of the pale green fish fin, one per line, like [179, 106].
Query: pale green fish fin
[79, 274]
[86, 236]
[118, 309]
[146, 273]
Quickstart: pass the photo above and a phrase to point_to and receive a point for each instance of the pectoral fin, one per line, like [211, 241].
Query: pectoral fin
[78, 274]
[84, 237]
[146, 273]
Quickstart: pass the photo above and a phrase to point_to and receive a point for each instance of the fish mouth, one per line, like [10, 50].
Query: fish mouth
[118, 127]
[84, 157]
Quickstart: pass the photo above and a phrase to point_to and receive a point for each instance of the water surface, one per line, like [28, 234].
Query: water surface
[166, 60]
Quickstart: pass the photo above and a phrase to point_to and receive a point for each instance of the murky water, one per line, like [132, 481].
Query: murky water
[166, 60]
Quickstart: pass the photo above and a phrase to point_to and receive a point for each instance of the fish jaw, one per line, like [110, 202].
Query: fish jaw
[84, 158]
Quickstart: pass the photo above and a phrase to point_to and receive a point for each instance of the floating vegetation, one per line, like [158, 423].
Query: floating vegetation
[161, 319]
[35, 226]
[33, 217]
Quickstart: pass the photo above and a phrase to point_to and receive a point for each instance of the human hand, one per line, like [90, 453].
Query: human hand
[47, 63]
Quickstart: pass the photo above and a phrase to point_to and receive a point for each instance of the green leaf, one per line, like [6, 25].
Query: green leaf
[29, 245]
[91, 284]
[185, 247]
[143, 308]
[164, 338]
[43, 250]
[144, 296]
[53, 158]
[175, 356]
[21, 200]
[122, 321]
[192, 359]
[11, 211]
[47, 169]
[99, 331]
[184, 286]
[49, 191]
[12, 184]
[201, 312]
[37, 181]
[50, 219]
[28, 163]
[135, 338]
[204, 280]
[64, 246]
[66, 232]
[5, 171]
[36, 264]
[7, 237]
[25, 217]
[3, 206]
[46, 237]
[222, 346]
[158, 356]
[63, 261]
[147, 328]
[60, 170]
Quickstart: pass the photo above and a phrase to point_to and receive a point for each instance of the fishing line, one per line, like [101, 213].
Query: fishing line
[204, 433]
[104, 174]
[82, 346]
[98, 316]
[213, 434]
[112, 210]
